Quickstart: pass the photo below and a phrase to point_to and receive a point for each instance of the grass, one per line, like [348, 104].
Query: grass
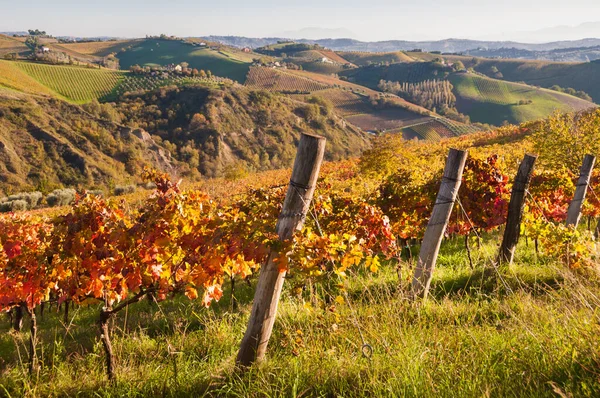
[493, 101]
[152, 52]
[527, 331]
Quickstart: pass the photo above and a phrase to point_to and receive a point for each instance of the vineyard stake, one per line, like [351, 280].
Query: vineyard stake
[270, 281]
[574, 212]
[515, 210]
[434, 233]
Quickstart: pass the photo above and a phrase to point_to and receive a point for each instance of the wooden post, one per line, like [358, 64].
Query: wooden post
[574, 212]
[270, 281]
[515, 210]
[434, 233]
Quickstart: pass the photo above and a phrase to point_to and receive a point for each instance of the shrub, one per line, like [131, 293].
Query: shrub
[5, 207]
[124, 189]
[96, 192]
[33, 199]
[61, 197]
[18, 205]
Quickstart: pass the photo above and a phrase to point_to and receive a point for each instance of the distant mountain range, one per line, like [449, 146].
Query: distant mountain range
[554, 33]
[448, 45]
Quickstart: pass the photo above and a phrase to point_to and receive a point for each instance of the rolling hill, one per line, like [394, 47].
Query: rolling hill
[494, 101]
[483, 99]
[154, 52]
[10, 45]
[92, 83]
[580, 76]
[365, 108]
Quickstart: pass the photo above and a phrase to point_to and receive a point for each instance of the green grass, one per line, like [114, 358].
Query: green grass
[154, 52]
[527, 331]
[74, 83]
[493, 101]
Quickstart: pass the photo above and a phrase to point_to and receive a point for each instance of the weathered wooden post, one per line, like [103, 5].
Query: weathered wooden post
[515, 210]
[585, 174]
[270, 281]
[434, 233]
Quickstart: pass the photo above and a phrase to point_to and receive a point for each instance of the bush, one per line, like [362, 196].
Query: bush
[13, 205]
[124, 189]
[96, 192]
[5, 207]
[18, 205]
[61, 197]
[33, 199]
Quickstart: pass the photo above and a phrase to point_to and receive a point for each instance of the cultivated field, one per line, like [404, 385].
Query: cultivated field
[15, 78]
[9, 45]
[77, 84]
[494, 101]
[282, 81]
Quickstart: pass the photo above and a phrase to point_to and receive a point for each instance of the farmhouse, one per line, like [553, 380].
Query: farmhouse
[246, 50]
[45, 49]
[178, 68]
[326, 60]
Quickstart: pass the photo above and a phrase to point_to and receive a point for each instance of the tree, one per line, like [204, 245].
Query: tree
[459, 66]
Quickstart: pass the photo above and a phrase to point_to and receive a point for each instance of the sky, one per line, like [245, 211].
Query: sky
[363, 20]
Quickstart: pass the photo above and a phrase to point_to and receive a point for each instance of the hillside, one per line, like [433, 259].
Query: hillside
[10, 45]
[367, 109]
[92, 83]
[47, 143]
[360, 329]
[483, 99]
[494, 101]
[580, 76]
[153, 52]
[100, 48]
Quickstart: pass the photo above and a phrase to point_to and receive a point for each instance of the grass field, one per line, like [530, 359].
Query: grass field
[527, 331]
[153, 52]
[493, 101]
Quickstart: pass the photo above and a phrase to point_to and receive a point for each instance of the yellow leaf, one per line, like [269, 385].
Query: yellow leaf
[339, 300]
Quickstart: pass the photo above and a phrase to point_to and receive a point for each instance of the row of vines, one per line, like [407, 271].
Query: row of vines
[185, 242]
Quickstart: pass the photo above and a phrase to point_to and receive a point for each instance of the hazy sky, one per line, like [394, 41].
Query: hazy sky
[367, 20]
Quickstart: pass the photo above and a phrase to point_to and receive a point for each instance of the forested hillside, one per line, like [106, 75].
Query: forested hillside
[194, 131]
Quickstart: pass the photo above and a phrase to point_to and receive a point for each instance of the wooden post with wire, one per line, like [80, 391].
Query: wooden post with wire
[585, 174]
[270, 281]
[434, 233]
[512, 231]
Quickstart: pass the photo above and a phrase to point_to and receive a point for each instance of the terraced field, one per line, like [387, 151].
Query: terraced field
[281, 81]
[76, 84]
[494, 101]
